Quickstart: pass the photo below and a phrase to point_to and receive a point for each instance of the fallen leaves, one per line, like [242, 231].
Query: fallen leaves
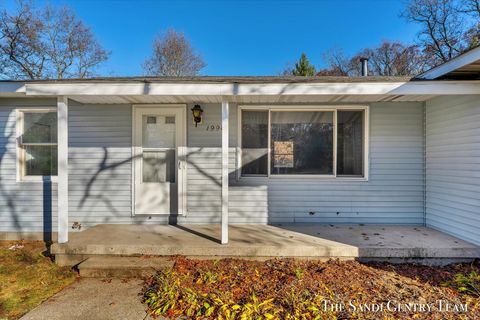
[299, 289]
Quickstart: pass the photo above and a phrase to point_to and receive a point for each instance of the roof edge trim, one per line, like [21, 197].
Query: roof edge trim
[452, 65]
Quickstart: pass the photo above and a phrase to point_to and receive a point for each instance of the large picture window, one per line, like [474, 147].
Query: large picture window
[301, 142]
[324, 142]
[38, 143]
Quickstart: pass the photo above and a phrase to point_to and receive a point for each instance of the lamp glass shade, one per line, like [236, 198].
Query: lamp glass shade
[197, 114]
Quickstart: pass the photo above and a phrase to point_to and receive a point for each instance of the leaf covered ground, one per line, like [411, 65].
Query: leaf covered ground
[28, 277]
[300, 289]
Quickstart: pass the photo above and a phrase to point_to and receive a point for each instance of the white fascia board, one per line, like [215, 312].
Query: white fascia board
[267, 89]
[452, 65]
[206, 89]
[438, 88]
[9, 88]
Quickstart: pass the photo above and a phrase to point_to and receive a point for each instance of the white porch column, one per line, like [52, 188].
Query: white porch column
[62, 178]
[224, 172]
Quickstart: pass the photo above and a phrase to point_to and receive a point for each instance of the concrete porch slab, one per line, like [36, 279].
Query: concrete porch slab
[123, 267]
[287, 240]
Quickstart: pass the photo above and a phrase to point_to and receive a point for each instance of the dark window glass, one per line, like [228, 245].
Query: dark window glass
[39, 127]
[254, 142]
[350, 137]
[38, 142]
[40, 160]
[302, 142]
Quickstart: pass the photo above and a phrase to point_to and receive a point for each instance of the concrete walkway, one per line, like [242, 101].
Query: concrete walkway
[94, 299]
[292, 240]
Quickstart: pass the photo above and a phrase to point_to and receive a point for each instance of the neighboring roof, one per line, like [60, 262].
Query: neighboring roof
[224, 79]
[463, 67]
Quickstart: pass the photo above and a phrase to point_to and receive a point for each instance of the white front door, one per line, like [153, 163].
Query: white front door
[158, 160]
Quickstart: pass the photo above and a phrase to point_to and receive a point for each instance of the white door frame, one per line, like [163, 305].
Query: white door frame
[181, 152]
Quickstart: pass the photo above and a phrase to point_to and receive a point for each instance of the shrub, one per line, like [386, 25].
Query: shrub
[295, 289]
[467, 283]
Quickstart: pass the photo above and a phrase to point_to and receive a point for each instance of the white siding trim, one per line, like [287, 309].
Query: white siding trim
[62, 118]
[366, 155]
[132, 162]
[225, 158]
[452, 65]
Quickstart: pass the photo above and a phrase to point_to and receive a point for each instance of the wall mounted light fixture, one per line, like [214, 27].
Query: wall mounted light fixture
[197, 114]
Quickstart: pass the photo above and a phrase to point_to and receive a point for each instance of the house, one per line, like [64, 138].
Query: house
[243, 150]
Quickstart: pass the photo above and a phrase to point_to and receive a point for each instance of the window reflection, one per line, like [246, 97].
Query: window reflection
[302, 142]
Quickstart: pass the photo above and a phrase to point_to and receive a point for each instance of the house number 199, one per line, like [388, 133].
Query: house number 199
[214, 127]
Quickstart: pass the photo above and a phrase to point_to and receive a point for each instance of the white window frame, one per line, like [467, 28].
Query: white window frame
[21, 177]
[331, 108]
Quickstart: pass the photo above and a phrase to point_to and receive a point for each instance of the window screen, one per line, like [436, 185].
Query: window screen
[254, 142]
[350, 137]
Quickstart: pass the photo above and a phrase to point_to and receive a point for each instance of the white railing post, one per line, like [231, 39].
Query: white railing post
[62, 178]
[225, 107]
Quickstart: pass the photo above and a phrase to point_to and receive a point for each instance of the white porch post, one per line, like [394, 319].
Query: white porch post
[62, 179]
[224, 172]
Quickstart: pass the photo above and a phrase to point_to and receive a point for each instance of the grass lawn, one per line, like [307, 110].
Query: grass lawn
[298, 289]
[27, 277]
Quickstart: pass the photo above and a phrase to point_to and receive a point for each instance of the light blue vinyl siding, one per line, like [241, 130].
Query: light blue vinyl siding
[392, 195]
[246, 204]
[24, 206]
[453, 166]
[100, 170]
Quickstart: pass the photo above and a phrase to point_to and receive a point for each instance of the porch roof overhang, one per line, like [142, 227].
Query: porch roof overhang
[241, 89]
[463, 67]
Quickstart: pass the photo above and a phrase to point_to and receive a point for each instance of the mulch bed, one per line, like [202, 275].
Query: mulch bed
[300, 289]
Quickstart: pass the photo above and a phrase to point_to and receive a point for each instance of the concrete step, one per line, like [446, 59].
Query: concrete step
[123, 267]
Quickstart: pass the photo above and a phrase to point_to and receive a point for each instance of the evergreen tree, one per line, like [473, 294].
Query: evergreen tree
[303, 67]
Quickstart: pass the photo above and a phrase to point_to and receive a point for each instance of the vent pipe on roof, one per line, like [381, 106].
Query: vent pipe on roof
[364, 62]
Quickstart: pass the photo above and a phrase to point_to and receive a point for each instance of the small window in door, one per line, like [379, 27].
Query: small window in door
[158, 134]
[151, 120]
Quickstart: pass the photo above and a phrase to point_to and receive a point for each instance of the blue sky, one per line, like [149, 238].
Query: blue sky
[240, 37]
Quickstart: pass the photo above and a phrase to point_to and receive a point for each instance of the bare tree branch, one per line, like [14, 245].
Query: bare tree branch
[472, 8]
[339, 64]
[173, 56]
[387, 59]
[394, 59]
[443, 28]
[47, 43]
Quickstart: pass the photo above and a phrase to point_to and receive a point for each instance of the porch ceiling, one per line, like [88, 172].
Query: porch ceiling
[254, 99]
